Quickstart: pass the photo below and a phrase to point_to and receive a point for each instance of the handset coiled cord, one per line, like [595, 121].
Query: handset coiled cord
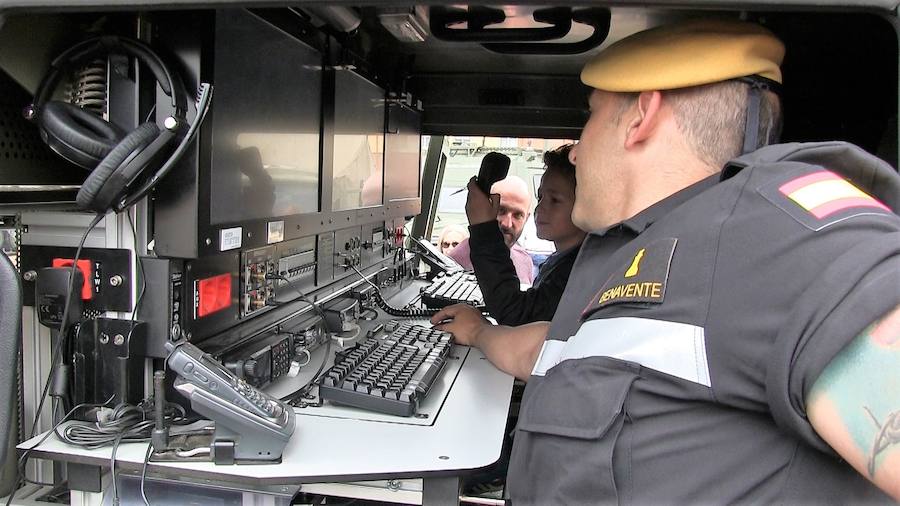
[391, 310]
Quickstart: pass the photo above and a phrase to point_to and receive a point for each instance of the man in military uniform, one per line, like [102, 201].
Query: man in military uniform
[727, 335]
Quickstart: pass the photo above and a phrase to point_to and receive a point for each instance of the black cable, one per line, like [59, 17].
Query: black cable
[140, 269]
[142, 280]
[56, 407]
[302, 295]
[391, 310]
[112, 470]
[302, 392]
[144, 474]
[126, 423]
[20, 465]
[62, 329]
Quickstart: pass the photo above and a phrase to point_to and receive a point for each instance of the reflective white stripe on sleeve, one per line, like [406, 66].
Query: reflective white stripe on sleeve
[548, 357]
[673, 348]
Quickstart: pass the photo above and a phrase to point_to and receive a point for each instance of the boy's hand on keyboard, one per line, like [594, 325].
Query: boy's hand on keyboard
[461, 320]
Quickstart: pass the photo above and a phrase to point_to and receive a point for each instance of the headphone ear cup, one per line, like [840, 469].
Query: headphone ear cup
[105, 184]
[77, 135]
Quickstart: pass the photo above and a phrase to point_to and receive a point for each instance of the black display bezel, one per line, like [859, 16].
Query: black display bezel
[182, 224]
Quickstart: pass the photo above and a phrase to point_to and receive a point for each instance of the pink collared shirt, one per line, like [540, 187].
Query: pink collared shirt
[521, 260]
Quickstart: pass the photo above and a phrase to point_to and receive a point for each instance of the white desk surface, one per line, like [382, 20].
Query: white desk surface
[466, 435]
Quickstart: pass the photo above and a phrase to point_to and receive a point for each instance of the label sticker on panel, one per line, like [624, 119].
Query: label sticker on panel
[276, 232]
[230, 238]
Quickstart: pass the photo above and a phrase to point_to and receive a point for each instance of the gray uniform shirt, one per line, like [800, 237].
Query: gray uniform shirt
[677, 366]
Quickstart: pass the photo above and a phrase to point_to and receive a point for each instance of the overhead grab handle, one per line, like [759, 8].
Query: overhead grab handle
[478, 18]
[598, 18]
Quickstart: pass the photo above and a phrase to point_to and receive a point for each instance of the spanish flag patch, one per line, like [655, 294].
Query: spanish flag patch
[825, 193]
[821, 198]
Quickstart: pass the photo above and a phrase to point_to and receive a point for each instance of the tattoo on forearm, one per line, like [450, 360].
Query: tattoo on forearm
[888, 434]
[862, 386]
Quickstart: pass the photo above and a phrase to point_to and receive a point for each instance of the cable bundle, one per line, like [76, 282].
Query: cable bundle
[125, 423]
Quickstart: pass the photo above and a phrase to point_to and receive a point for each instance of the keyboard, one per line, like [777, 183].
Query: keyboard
[389, 375]
[456, 288]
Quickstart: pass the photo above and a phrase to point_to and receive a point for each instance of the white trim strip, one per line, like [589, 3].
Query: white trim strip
[673, 348]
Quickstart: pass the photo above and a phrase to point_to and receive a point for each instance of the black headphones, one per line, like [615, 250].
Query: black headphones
[117, 159]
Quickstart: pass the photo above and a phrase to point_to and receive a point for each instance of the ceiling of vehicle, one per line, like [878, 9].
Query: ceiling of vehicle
[832, 91]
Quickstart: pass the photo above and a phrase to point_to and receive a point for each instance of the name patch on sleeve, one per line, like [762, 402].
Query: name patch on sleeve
[821, 198]
[641, 281]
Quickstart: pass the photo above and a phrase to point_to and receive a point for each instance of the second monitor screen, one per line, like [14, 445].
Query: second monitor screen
[359, 117]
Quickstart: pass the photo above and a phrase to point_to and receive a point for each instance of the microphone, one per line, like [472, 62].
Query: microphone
[494, 167]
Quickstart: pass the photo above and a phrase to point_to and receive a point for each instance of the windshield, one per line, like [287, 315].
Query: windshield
[464, 159]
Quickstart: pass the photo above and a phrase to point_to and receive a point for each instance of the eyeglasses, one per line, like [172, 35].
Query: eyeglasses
[446, 244]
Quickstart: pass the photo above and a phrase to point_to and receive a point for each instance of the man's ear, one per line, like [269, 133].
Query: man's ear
[645, 118]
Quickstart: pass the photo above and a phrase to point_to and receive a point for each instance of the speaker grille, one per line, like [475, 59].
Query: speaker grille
[24, 158]
[18, 138]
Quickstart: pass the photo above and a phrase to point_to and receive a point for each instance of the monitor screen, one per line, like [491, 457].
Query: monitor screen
[402, 154]
[358, 143]
[266, 118]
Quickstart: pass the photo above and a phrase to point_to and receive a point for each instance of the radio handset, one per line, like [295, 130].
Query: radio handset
[250, 424]
[494, 167]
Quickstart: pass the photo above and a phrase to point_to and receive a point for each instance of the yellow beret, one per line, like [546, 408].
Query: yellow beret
[686, 54]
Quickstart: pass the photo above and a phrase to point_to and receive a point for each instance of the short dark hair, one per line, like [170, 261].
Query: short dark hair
[713, 118]
[558, 160]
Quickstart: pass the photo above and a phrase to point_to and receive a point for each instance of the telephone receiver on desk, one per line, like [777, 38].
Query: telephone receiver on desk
[432, 256]
[251, 426]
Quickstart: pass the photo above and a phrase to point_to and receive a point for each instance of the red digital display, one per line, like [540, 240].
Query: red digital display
[84, 265]
[213, 294]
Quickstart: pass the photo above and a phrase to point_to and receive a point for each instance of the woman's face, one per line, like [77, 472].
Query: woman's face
[553, 215]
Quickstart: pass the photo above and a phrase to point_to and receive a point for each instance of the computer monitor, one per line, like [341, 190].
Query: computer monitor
[402, 154]
[359, 119]
[265, 124]
[292, 147]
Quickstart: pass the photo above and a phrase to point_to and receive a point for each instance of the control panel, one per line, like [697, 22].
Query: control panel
[200, 298]
[326, 259]
[257, 290]
[265, 361]
[309, 334]
[176, 287]
[265, 272]
[347, 250]
[375, 244]
[396, 234]
[341, 314]
[278, 352]
[297, 263]
[105, 273]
